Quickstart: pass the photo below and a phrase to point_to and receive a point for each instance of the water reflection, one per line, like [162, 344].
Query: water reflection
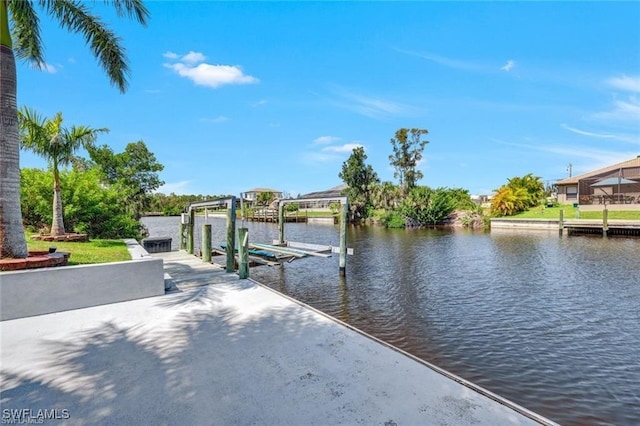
[549, 322]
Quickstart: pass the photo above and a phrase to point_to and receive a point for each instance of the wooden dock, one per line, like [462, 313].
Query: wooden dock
[271, 215]
[629, 228]
[609, 228]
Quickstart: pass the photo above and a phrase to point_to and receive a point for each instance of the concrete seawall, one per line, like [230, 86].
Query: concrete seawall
[41, 291]
[525, 224]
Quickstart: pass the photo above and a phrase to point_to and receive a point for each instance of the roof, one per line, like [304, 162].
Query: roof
[634, 162]
[336, 191]
[263, 190]
[614, 181]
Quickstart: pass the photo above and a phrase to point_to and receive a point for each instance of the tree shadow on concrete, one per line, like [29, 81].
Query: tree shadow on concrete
[251, 360]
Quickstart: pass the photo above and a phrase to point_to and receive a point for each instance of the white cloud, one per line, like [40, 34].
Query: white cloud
[625, 82]
[598, 157]
[622, 111]
[591, 134]
[49, 68]
[193, 57]
[323, 140]
[348, 147]
[613, 136]
[170, 55]
[218, 119]
[258, 103]
[444, 61]
[369, 106]
[212, 75]
[508, 66]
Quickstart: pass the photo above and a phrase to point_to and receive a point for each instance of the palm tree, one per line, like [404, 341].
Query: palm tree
[57, 144]
[74, 16]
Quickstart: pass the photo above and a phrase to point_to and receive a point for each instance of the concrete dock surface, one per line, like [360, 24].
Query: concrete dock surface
[224, 351]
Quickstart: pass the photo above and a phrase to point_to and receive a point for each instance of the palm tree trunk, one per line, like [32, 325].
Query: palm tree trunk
[12, 239]
[57, 224]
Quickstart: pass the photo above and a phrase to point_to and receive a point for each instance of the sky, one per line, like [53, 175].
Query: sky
[230, 96]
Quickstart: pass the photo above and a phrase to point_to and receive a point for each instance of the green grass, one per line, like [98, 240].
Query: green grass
[570, 213]
[94, 251]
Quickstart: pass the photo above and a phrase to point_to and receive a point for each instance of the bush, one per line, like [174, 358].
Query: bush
[89, 206]
[429, 206]
[392, 219]
[293, 207]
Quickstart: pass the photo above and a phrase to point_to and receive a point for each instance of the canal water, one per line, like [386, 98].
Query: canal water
[551, 323]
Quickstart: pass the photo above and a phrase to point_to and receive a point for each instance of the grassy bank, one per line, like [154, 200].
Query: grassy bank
[94, 251]
[570, 213]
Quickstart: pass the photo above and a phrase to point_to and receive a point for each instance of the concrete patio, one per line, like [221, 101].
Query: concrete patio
[224, 351]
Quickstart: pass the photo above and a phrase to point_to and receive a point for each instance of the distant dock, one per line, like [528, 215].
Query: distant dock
[572, 226]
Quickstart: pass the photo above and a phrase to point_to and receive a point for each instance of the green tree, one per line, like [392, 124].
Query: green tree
[24, 41]
[429, 206]
[385, 195]
[407, 154]
[36, 198]
[57, 144]
[517, 195]
[265, 198]
[134, 172]
[89, 206]
[360, 179]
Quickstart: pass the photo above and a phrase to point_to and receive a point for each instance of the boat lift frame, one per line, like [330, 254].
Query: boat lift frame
[188, 222]
[344, 204]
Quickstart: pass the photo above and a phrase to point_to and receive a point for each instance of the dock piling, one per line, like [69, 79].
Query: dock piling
[561, 222]
[605, 222]
[343, 237]
[243, 253]
[190, 225]
[281, 223]
[206, 242]
[231, 234]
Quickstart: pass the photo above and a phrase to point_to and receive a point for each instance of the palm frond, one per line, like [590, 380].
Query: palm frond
[105, 45]
[131, 8]
[25, 32]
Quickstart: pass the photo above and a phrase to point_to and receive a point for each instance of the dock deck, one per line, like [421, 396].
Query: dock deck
[226, 351]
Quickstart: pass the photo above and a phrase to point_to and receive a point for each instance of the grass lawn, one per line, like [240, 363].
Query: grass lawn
[94, 251]
[570, 213]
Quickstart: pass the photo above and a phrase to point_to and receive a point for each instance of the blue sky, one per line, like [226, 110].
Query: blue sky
[235, 95]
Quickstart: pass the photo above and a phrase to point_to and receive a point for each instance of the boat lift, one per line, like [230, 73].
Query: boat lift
[316, 249]
[281, 247]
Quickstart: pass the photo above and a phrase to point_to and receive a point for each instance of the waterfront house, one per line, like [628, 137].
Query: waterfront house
[335, 192]
[617, 184]
[251, 196]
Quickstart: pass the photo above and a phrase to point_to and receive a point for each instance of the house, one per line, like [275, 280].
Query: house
[336, 192]
[615, 184]
[251, 196]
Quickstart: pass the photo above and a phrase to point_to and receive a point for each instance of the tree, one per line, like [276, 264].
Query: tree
[360, 179]
[385, 195]
[74, 16]
[429, 206]
[407, 154]
[517, 195]
[89, 206]
[134, 172]
[48, 139]
[265, 198]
